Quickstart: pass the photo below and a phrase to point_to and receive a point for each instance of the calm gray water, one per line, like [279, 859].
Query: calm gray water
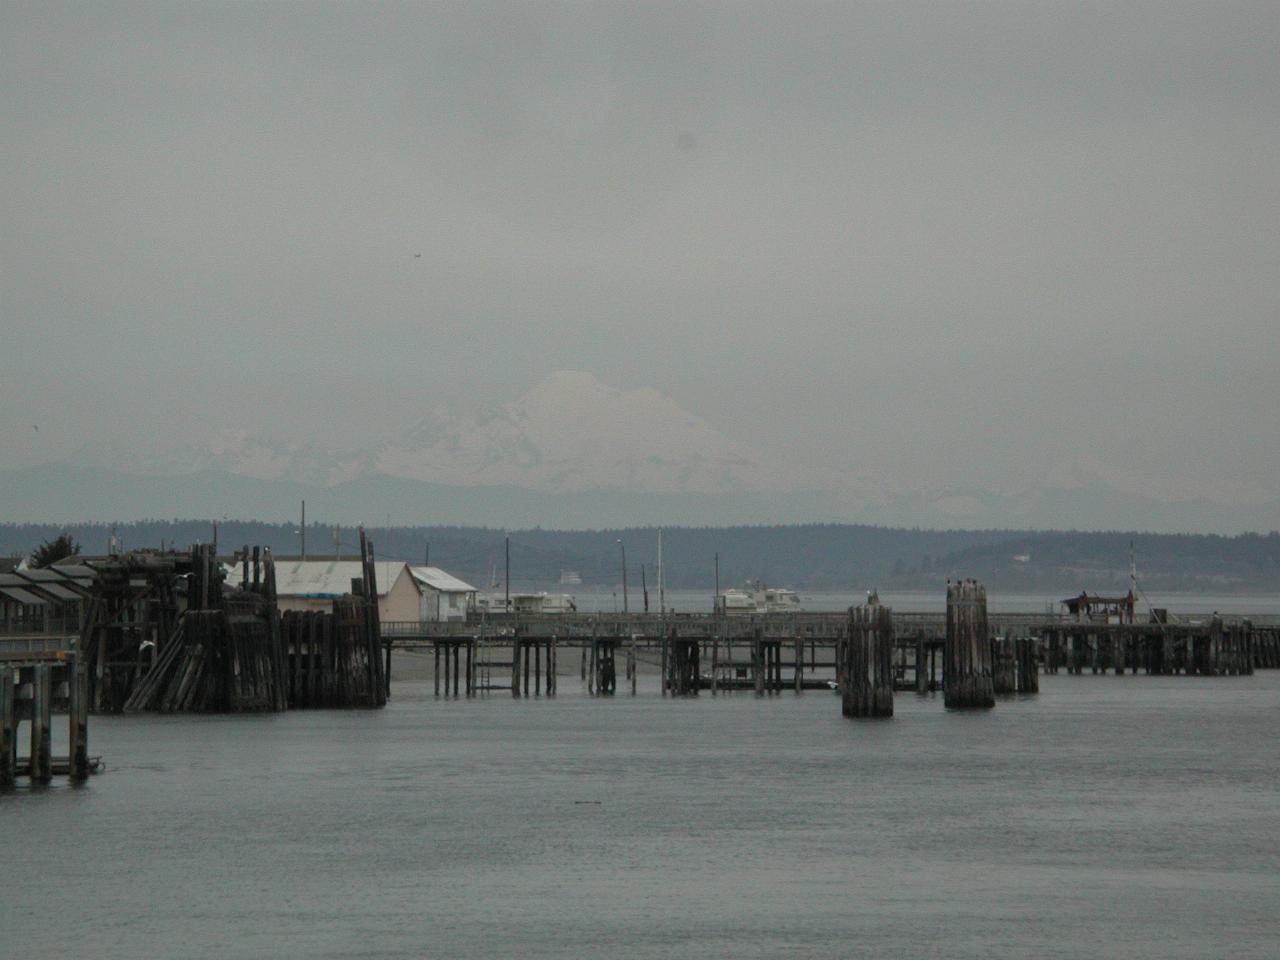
[1107, 817]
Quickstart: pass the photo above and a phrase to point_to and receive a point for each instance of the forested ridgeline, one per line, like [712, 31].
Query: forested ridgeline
[813, 556]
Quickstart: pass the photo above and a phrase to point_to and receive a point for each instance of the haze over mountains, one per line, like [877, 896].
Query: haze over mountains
[573, 452]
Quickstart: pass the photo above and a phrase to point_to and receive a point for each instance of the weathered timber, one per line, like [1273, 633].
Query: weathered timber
[868, 688]
[8, 727]
[41, 732]
[1027, 668]
[966, 668]
[1003, 665]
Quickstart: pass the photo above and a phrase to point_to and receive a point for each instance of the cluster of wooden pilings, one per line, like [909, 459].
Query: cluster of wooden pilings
[335, 658]
[35, 691]
[682, 665]
[455, 664]
[133, 610]
[867, 673]
[527, 674]
[224, 654]
[1015, 664]
[600, 667]
[1265, 642]
[966, 667]
[329, 661]
[1212, 649]
[958, 654]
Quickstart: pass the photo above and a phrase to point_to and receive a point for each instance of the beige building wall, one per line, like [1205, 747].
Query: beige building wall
[401, 601]
[398, 603]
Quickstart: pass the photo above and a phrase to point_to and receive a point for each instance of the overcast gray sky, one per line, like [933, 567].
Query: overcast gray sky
[915, 240]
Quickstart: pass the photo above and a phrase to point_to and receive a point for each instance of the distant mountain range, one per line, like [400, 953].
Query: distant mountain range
[575, 453]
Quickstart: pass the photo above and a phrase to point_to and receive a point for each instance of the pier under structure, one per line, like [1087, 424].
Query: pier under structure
[42, 676]
[771, 653]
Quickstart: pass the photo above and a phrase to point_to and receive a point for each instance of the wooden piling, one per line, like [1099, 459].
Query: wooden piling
[77, 720]
[798, 680]
[515, 665]
[868, 691]
[966, 668]
[665, 668]
[8, 728]
[41, 739]
[1003, 665]
[758, 661]
[715, 664]
[633, 663]
[553, 680]
[1028, 672]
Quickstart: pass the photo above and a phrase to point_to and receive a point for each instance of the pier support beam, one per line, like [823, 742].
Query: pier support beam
[966, 667]
[77, 720]
[1003, 665]
[41, 739]
[757, 661]
[8, 728]
[515, 665]
[684, 678]
[1027, 669]
[868, 691]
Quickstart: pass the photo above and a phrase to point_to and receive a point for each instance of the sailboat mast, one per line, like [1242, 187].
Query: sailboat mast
[662, 596]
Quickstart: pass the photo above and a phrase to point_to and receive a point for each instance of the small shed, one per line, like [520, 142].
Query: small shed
[444, 596]
[315, 584]
[1092, 607]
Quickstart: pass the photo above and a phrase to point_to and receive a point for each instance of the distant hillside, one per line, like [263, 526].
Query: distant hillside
[813, 556]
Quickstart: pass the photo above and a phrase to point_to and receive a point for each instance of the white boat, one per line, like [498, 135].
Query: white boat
[758, 598]
[527, 603]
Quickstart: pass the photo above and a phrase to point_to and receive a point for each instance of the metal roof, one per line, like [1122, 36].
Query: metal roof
[42, 575]
[74, 570]
[437, 579]
[331, 578]
[22, 596]
[56, 590]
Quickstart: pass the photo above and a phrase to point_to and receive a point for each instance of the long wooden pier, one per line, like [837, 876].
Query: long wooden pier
[774, 652]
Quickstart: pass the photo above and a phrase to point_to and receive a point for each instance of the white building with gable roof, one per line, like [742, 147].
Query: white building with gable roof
[444, 596]
[315, 584]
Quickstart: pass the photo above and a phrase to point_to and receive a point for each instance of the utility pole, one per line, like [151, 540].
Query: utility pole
[645, 588]
[715, 603]
[506, 605]
[302, 529]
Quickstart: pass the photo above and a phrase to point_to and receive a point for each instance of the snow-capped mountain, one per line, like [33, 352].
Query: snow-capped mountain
[573, 432]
